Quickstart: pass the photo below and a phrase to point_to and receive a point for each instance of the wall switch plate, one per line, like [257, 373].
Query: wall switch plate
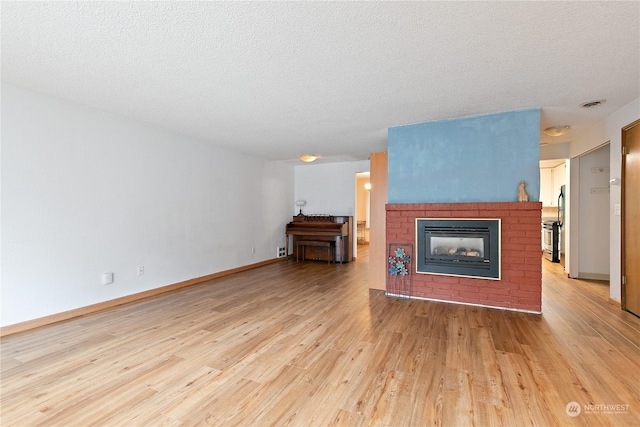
[107, 278]
[141, 270]
[616, 209]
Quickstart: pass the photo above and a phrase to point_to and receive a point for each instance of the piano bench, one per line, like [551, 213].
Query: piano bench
[330, 245]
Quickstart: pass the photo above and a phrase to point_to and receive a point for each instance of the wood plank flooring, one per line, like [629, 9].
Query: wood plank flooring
[308, 344]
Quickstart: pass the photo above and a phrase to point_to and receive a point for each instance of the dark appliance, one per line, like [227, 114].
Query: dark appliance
[561, 206]
[551, 240]
[551, 237]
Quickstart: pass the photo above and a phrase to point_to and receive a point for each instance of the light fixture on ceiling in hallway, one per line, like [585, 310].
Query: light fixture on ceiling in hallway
[367, 186]
[308, 158]
[557, 130]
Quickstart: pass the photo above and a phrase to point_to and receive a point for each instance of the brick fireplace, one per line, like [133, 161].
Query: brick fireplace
[520, 283]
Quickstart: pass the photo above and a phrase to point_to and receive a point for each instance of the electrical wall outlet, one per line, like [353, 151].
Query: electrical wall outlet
[280, 252]
[107, 278]
[141, 270]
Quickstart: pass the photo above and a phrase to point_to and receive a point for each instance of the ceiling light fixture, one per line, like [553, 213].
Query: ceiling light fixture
[591, 104]
[309, 157]
[557, 130]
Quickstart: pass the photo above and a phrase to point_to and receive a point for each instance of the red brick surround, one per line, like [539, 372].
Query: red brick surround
[520, 286]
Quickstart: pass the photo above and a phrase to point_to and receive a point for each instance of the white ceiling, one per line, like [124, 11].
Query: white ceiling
[278, 79]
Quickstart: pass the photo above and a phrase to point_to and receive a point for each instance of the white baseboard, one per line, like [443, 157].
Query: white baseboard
[593, 276]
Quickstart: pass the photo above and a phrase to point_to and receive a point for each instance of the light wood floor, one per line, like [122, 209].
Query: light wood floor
[309, 344]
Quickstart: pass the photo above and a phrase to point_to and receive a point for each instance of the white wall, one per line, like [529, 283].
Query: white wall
[329, 189]
[610, 130]
[555, 151]
[85, 192]
[593, 234]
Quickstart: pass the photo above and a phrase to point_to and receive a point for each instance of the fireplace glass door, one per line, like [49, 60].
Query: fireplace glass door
[465, 247]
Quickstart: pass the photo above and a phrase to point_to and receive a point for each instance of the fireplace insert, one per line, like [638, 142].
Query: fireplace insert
[458, 247]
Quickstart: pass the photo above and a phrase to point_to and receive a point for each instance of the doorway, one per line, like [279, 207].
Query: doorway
[363, 208]
[630, 221]
[593, 215]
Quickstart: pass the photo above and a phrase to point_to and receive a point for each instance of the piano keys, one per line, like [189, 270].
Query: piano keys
[321, 228]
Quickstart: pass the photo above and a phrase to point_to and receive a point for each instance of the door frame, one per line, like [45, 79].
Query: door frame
[572, 232]
[623, 210]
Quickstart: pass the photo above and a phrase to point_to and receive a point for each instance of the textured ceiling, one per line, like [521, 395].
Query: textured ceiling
[280, 79]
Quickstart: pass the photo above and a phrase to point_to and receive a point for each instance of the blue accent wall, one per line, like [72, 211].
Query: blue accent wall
[468, 159]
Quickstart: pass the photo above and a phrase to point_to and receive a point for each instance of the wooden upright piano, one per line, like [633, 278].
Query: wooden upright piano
[338, 229]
